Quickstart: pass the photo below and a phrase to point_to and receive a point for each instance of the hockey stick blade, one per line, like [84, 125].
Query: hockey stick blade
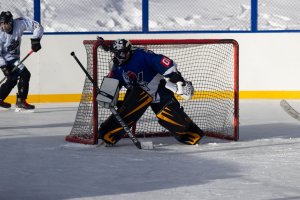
[126, 128]
[289, 109]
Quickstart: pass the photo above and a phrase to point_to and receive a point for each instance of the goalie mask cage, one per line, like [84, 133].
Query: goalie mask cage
[211, 65]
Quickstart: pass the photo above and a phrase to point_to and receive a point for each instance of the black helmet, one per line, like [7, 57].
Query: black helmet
[121, 49]
[6, 17]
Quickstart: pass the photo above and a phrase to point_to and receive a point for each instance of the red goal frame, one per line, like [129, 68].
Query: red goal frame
[96, 44]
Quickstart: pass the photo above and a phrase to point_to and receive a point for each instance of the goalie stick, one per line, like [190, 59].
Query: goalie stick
[16, 67]
[135, 141]
[289, 109]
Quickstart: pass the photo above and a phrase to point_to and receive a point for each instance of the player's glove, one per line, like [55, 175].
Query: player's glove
[18, 66]
[35, 44]
[5, 70]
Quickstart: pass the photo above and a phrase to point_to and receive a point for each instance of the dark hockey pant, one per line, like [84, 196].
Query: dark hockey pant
[21, 78]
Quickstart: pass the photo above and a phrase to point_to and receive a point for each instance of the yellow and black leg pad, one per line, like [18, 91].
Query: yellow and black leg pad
[133, 107]
[173, 118]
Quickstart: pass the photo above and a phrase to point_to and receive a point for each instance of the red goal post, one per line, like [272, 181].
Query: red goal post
[212, 65]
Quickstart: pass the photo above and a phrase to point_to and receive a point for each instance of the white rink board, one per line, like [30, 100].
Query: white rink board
[268, 61]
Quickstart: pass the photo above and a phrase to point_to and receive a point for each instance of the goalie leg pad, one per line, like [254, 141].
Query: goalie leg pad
[173, 118]
[110, 131]
[192, 136]
[133, 107]
[135, 104]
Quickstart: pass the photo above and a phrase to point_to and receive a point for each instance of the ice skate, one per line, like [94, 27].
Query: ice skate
[23, 106]
[4, 105]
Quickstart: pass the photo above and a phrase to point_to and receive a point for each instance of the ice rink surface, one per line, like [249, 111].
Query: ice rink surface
[36, 163]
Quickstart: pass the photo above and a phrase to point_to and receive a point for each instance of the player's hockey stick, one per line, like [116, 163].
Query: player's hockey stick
[16, 67]
[289, 109]
[136, 142]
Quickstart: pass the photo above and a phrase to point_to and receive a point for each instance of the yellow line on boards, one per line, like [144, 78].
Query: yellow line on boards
[56, 98]
[48, 98]
[269, 94]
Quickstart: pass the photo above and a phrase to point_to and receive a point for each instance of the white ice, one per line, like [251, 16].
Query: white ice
[37, 163]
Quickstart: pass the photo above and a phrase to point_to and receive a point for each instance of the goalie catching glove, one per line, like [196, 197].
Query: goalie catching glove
[185, 89]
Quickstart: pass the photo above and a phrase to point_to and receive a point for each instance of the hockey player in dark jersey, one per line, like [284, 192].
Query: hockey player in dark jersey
[10, 40]
[151, 80]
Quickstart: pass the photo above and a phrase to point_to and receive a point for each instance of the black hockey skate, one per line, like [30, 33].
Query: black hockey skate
[23, 106]
[4, 104]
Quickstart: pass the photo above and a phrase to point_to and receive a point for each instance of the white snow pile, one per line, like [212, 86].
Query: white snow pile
[121, 15]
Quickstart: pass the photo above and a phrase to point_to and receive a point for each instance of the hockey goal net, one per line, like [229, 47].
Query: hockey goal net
[211, 65]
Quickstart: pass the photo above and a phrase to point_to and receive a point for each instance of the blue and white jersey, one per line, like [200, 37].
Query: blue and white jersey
[145, 68]
[10, 42]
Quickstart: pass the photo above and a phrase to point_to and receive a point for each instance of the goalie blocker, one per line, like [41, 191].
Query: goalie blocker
[169, 113]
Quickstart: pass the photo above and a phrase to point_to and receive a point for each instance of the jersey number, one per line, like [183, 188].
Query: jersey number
[165, 62]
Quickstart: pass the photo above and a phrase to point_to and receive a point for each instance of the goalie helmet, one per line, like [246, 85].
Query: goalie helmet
[121, 50]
